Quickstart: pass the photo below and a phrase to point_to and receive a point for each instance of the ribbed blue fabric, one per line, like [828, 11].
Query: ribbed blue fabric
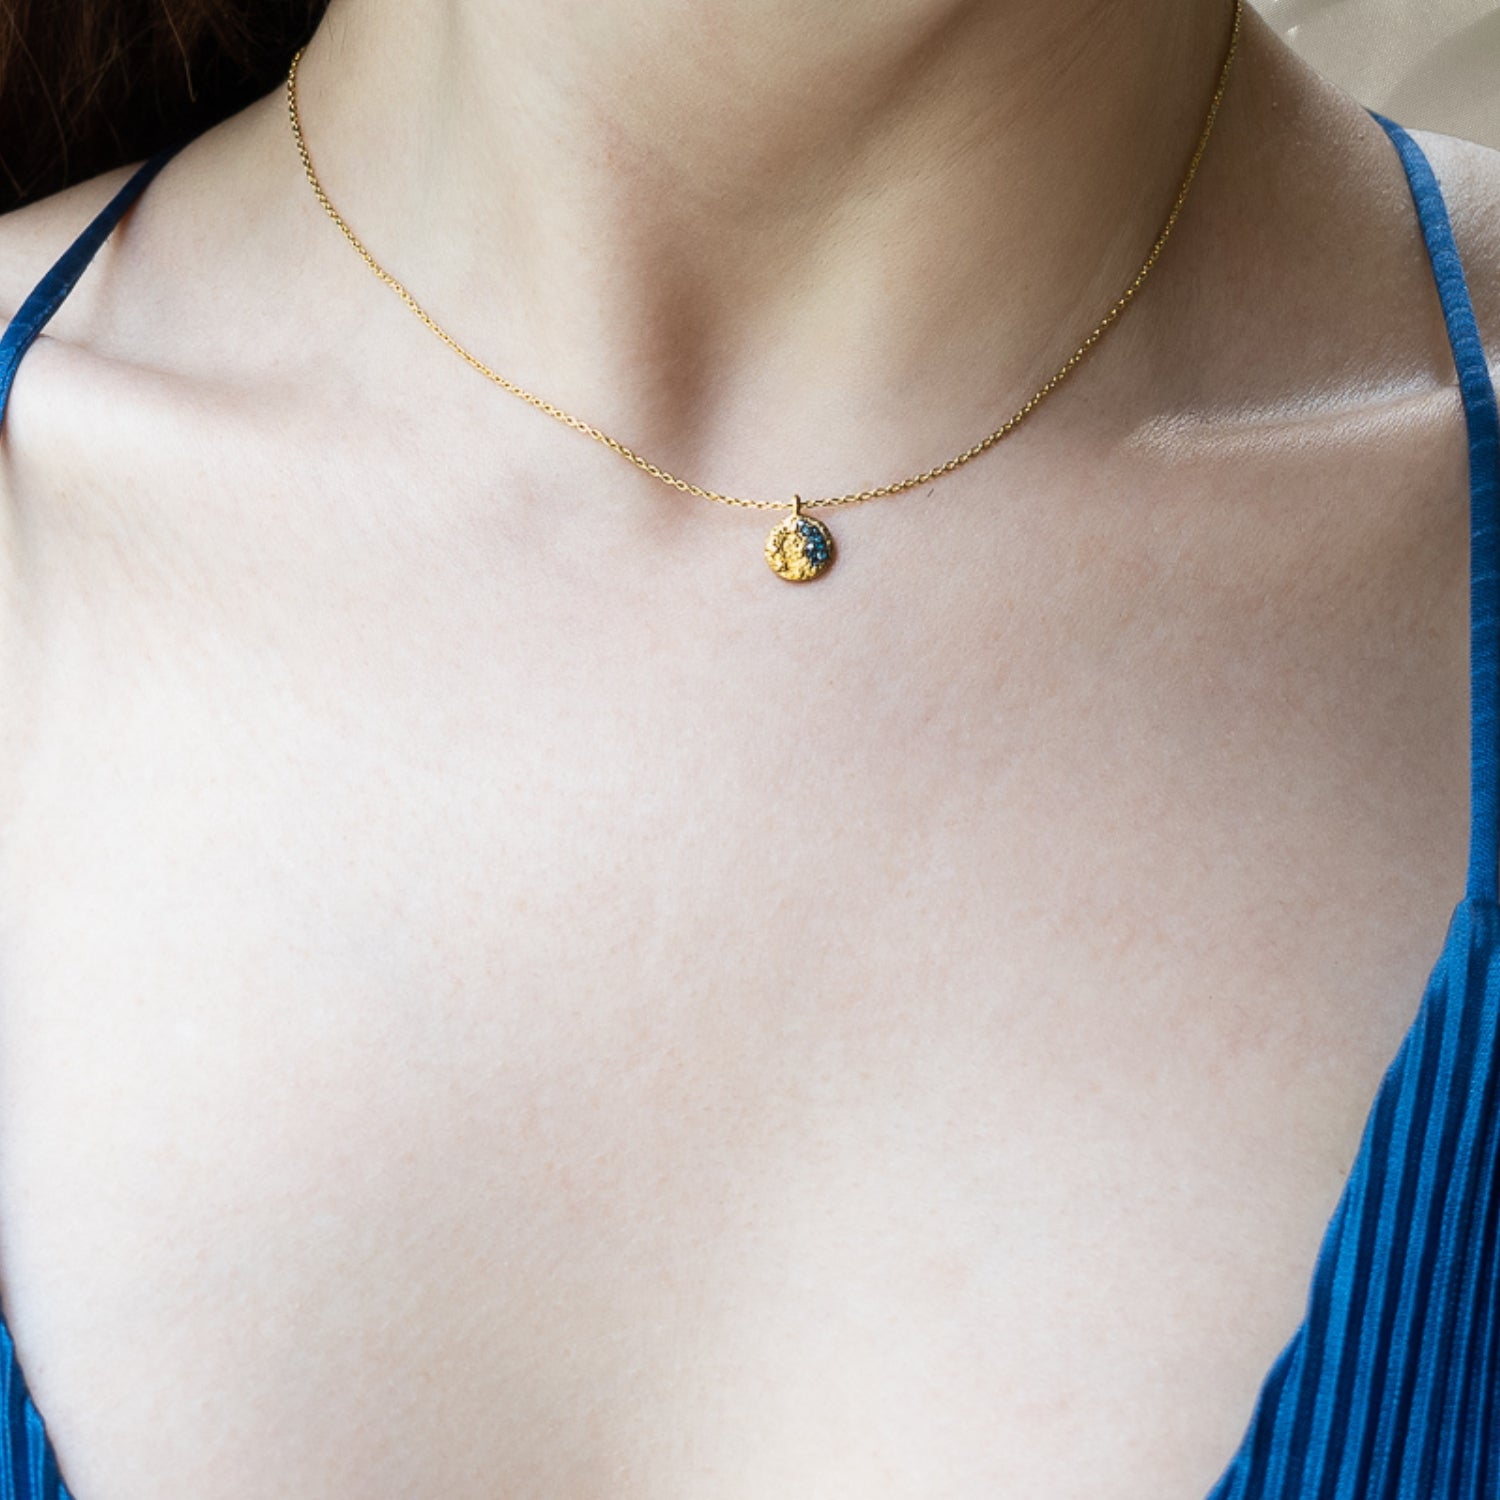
[28, 1466]
[1390, 1387]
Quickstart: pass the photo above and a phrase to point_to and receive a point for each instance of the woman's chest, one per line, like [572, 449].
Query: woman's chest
[594, 1052]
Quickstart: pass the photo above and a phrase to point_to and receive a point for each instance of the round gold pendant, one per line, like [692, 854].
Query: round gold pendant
[801, 547]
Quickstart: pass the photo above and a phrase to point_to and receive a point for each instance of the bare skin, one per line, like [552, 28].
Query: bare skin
[504, 997]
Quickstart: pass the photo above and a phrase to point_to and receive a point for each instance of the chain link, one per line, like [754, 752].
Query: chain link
[692, 489]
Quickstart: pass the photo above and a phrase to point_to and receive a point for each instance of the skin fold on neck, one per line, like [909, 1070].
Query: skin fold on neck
[705, 224]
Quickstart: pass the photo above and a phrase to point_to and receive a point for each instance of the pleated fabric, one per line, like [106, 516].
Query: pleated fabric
[1390, 1387]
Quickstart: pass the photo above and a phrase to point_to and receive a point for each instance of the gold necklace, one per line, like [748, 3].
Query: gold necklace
[801, 546]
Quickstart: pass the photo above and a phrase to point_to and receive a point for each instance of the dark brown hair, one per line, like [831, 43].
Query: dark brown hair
[86, 85]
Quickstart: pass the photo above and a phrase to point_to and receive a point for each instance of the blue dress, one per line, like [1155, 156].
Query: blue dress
[1390, 1387]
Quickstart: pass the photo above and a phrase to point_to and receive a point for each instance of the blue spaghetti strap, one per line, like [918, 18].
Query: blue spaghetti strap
[1483, 418]
[47, 296]
[1389, 1387]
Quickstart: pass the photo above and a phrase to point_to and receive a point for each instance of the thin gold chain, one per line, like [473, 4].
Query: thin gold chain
[692, 489]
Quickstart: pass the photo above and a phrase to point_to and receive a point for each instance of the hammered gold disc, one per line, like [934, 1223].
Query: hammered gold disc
[801, 547]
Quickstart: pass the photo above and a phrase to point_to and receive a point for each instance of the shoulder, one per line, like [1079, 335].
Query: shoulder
[31, 240]
[196, 289]
[32, 237]
[1469, 175]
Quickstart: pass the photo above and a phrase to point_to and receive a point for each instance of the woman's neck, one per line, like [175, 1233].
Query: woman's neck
[692, 217]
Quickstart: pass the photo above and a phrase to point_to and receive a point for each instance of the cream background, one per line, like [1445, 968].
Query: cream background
[1428, 64]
